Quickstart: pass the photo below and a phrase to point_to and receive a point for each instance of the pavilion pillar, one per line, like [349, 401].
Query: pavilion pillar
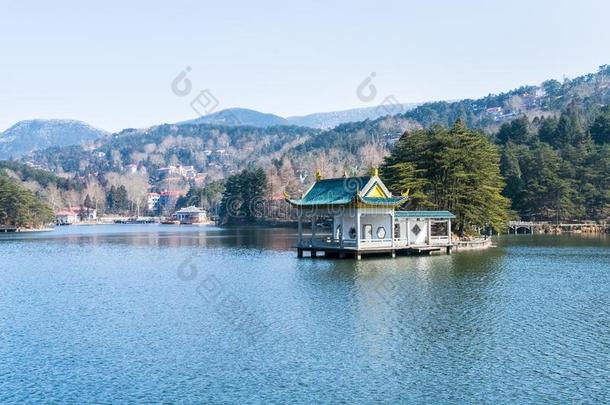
[429, 226]
[392, 227]
[300, 229]
[449, 230]
[341, 233]
[358, 230]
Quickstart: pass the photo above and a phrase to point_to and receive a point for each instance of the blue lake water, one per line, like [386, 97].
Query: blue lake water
[153, 313]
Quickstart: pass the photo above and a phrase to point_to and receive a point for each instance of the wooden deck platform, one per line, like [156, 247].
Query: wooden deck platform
[335, 251]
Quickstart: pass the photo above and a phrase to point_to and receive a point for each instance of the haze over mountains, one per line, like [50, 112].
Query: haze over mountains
[27, 136]
[217, 147]
[553, 138]
[340, 128]
[323, 120]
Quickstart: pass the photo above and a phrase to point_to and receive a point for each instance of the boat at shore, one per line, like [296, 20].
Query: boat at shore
[135, 220]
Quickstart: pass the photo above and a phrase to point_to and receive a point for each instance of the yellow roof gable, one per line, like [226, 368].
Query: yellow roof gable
[376, 191]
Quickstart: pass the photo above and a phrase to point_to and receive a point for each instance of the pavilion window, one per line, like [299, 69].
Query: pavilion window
[353, 233]
[367, 231]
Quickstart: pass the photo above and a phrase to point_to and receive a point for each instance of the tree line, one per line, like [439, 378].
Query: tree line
[455, 169]
[548, 168]
[19, 207]
[556, 168]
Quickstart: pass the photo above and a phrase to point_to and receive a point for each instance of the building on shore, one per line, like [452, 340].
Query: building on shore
[152, 202]
[66, 217]
[88, 214]
[191, 215]
[364, 220]
[72, 215]
[167, 200]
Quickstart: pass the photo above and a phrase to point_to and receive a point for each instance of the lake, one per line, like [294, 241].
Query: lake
[153, 313]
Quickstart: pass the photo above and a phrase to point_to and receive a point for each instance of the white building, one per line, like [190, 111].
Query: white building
[88, 214]
[182, 171]
[66, 217]
[152, 201]
[364, 220]
[191, 215]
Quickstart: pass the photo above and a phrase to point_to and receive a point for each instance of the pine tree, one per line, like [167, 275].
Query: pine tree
[88, 203]
[569, 128]
[456, 169]
[244, 196]
[19, 207]
[111, 199]
[600, 130]
[516, 131]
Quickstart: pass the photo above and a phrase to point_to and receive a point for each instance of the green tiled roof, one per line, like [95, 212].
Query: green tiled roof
[333, 191]
[424, 214]
[342, 191]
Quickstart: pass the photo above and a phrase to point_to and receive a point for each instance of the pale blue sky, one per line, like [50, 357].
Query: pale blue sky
[111, 63]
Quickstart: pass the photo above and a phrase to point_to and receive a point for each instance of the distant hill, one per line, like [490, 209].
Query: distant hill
[27, 136]
[221, 146]
[327, 120]
[553, 138]
[238, 117]
[323, 120]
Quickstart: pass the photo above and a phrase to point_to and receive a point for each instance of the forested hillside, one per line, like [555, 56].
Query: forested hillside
[552, 139]
[558, 168]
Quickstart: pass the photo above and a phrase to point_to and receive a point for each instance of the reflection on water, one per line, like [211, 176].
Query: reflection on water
[159, 236]
[102, 313]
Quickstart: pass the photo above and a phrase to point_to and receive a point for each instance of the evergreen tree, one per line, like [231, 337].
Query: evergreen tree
[88, 203]
[456, 169]
[551, 87]
[600, 130]
[19, 207]
[203, 197]
[516, 131]
[547, 130]
[510, 167]
[569, 129]
[111, 199]
[243, 197]
[564, 177]
[544, 193]
[404, 178]
[117, 200]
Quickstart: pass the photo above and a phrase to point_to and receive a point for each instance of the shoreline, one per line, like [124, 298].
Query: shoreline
[22, 230]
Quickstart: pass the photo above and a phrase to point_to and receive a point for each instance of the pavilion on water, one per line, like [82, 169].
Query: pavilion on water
[363, 219]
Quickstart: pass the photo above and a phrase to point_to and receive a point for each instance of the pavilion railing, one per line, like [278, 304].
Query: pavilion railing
[434, 240]
[439, 240]
[386, 242]
[327, 241]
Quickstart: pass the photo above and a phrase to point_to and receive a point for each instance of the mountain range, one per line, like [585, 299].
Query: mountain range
[339, 129]
[323, 120]
[27, 136]
[552, 138]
